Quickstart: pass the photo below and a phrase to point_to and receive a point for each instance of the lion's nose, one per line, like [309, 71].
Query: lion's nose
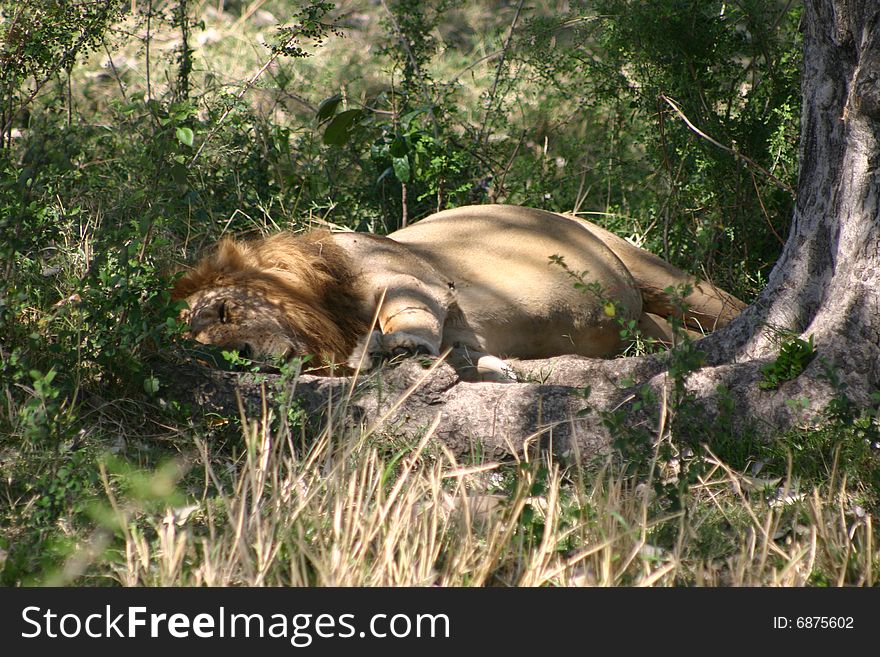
[246, 351]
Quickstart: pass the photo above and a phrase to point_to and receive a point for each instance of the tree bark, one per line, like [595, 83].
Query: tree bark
[825, 285]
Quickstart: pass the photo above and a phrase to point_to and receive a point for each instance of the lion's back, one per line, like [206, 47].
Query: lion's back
[511, 293]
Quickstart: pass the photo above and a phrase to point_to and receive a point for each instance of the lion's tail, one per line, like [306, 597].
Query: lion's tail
[709, 307]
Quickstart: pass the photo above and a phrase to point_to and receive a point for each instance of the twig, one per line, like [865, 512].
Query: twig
[69, 55]
[418, 69]
[147, 47]
[69, 99]
[750, 162]
[498, 188]
[581, 195]
[250, 83]
[484, 58]
[115, 72]
[764, 211]
[251, 10]
[396, 126]
[484, 131]
[7, 98]
[403, 219]
[667, 165]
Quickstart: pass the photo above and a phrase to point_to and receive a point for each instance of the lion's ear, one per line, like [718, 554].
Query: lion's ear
[184, 286]
[230, 257]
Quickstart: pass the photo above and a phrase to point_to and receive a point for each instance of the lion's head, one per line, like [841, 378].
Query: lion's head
[281, 296]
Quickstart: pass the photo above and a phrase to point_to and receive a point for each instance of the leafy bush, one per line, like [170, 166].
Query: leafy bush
[794, 356]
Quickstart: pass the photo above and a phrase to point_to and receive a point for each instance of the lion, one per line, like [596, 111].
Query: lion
[486, 283]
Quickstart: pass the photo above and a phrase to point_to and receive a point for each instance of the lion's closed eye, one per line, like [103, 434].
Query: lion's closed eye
[222, 312]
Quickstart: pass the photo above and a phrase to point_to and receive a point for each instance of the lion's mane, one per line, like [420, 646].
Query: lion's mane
[307, 277]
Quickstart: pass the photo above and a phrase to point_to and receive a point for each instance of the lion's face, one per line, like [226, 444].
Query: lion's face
[283, 296]
[236, 317]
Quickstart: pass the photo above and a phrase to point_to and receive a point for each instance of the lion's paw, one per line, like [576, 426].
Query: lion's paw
[492, 368]
[407, 344]
[376, 347]
[366, 351]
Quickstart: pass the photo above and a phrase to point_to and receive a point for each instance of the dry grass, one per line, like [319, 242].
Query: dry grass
[349, 511]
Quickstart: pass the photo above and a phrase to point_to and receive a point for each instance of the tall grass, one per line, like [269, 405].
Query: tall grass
[345, 508]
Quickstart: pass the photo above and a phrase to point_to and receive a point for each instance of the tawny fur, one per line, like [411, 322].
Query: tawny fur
[305, 279]
[477, 280]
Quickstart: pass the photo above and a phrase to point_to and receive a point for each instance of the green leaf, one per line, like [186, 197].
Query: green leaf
[339, 129]
[144, 222]
[327, 108]
[401, 168]
[178, 173]
[151, 385]
[407, 118]
[399, 147]
[185, 136]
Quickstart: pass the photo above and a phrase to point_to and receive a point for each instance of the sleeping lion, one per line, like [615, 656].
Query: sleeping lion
[485, 282]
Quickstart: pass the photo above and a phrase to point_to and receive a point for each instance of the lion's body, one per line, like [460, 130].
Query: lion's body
[478, 280]
[513, 300]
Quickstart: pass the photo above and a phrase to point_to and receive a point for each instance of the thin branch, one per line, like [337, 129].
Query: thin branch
[747, 160]
[764, 210]
[115, 72]
[68, 56]
[250, 83]
[498, 188]
[69, 98]
[484, 131]
[581, 195]
[147, 47]
[415, 64]
[484, 58]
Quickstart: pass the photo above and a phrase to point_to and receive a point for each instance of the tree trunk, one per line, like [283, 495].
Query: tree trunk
[825, 285]
[827, 280]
